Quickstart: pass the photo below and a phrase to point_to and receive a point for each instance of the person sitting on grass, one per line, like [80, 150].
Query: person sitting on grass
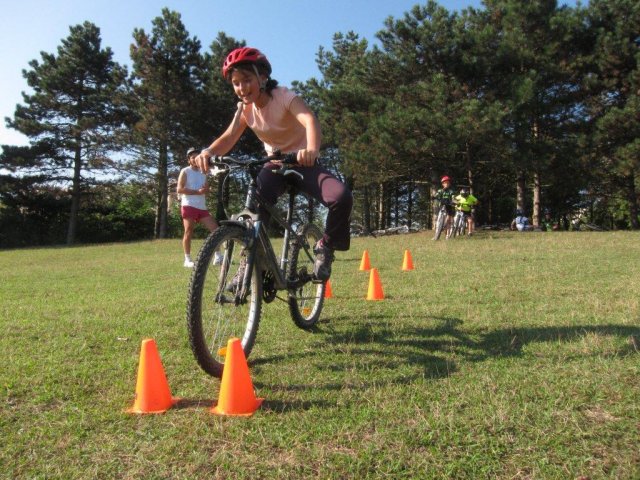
[521, 222]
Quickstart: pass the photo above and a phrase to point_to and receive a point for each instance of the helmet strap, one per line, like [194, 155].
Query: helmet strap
[263, 83]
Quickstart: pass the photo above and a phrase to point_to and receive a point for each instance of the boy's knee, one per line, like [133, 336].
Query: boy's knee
[343, 200]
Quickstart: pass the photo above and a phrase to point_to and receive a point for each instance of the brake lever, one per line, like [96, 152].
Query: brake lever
[218, 168]
[293, 172]
[284, 171]
[285, 161]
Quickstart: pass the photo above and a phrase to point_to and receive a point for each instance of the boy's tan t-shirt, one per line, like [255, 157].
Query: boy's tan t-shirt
[275, 125]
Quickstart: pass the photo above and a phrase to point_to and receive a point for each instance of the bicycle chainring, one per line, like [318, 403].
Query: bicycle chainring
[268, 287]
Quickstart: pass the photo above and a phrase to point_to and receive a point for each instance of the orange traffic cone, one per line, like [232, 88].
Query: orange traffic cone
[236, 390]
[328, 293]
[152, 389]
[375, 288]
[407, 262]
[365, 265]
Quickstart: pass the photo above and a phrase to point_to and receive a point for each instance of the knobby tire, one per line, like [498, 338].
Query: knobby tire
[305, 302]
[213, 313]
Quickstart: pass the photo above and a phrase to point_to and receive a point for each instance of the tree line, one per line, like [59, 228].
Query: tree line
[532, 105]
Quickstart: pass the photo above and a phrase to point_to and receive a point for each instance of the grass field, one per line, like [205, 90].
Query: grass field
[506, 356]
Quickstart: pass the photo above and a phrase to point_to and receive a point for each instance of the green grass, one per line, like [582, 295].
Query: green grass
[501, 356]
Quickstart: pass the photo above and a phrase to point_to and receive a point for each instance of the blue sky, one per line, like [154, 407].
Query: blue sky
[288, 31]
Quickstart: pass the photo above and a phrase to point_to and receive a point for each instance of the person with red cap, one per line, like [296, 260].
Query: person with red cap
[284, 123]
[444, 197]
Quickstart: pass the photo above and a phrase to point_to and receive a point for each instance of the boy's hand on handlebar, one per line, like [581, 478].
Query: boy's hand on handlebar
[307, 158]
[202, 160]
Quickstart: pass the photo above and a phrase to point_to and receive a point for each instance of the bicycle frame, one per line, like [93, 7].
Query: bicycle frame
[460, 222]
[226, 299]
[261, 251]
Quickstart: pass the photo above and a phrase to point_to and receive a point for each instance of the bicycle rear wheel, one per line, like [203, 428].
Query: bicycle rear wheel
[306, 301]
[215, 311]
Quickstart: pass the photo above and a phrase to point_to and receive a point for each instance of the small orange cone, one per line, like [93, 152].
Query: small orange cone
[328, 293]
[152, 389]
[375, 288]
[407, 262]
[365, 265]
[236, 390]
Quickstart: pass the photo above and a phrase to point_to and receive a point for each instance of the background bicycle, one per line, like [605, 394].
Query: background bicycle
[459, 223]
[441, 222]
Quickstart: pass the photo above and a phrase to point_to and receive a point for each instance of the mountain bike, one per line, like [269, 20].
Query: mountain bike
[459, 223]
[441, 221]
[226, 300]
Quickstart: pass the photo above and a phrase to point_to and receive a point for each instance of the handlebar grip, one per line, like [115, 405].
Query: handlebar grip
[290, 158]
[220, 160]
[285, 158]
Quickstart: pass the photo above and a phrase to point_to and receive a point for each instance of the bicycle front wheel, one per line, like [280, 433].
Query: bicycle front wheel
[457, 226]
[305, 301]
[216, 310]
[439, 224]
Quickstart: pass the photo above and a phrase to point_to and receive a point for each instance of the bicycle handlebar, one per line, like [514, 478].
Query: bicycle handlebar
[286, 159]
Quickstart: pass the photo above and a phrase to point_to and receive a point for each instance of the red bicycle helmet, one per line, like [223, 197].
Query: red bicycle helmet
[245, 55]
[445, 179]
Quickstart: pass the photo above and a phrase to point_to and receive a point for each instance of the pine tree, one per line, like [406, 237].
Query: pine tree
[345, 105]
[531, 75]
[613, 81]
[167, 79]
[70, 117]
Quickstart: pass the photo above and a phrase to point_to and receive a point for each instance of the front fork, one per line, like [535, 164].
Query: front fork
[260, 254]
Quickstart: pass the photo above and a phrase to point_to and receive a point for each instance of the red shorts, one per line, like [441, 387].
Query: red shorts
[195, 214]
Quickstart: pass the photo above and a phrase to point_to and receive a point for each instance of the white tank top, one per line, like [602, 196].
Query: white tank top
[195, 181]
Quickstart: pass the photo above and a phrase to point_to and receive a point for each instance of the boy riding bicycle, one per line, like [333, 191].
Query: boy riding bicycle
[284, 123]
[444, 197]
[466, 202]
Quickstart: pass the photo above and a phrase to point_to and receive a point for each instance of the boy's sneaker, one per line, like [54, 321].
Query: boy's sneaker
[188, 263]
[324, 259]
[217, 258]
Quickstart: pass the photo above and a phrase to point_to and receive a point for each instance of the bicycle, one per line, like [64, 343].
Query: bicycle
[460, 223]
[225, 300]
[441, 221]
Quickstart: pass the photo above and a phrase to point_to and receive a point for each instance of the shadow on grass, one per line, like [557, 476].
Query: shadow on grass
[370, 355]
[447, 336]
[510, 341]
[282, 406]
[194, 403]
[278, 406]
[351, 259]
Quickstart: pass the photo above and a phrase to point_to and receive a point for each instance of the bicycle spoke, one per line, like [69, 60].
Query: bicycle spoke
[305, 303]
[214, 315]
